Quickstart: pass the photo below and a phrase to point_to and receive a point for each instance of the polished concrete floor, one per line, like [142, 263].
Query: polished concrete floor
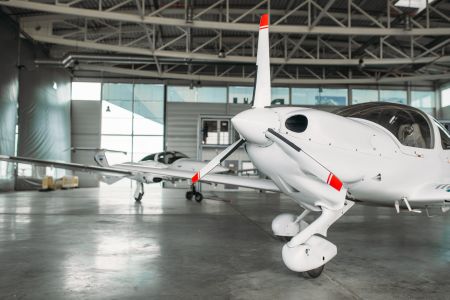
[99, 244]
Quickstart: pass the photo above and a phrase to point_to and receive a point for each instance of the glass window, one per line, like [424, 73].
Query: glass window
[280, 96]
[363, 96]
[424, 100]
[445, 95]
[304, 96]
[148, 109]
[445, 139]
[212, 94]
[132, 120]
[333, 97]
[197, 94]
[86, 91]
[394, 96]
[117, 91]
[119, 143]
[116, 119]
[240, 94]
[216, 132]
[319, 96]
[145, 145]
[408, 125]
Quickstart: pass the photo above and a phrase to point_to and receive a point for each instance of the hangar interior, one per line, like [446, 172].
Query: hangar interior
[147, 76]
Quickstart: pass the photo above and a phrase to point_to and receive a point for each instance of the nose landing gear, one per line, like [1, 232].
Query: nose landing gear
[193, 194]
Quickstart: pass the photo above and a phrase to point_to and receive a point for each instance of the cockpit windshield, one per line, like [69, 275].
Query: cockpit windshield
[409, 125]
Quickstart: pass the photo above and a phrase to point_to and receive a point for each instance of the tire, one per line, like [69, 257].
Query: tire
[139, 197]
[198, 197]
[314, 273]
[284, 238]
[189, 195]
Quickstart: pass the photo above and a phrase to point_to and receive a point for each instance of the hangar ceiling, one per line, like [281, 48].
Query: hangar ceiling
[312, 41]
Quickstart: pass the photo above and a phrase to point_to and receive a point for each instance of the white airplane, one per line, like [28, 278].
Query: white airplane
[172, 160]
[379, 154]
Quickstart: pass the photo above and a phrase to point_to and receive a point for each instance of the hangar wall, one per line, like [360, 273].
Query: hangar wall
[40, 97]
[182, 120]
[9, 82]
[44, 116]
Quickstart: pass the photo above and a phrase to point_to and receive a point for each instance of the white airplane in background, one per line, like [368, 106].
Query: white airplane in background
[172, 160]
[379, 154]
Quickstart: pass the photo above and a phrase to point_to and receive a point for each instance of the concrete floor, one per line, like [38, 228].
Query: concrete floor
[99, 244]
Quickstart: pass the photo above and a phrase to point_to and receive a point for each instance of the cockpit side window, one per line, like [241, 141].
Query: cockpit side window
[445, 137]
[410, 127]
[149, 157]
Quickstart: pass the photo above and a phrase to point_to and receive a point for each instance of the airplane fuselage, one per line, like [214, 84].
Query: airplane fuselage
[373, 164]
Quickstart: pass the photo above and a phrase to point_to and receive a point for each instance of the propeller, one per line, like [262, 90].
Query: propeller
[217, 160]
[309, 163]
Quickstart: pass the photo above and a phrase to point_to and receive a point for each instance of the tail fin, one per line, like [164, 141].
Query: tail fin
[262, 95]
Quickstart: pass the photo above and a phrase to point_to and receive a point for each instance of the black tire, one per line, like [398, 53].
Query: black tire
[139, 197]
[198, 197]
[314, 273]
[189, 195]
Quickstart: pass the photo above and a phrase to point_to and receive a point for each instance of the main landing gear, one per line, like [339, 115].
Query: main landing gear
[139, 193]
[193, 194]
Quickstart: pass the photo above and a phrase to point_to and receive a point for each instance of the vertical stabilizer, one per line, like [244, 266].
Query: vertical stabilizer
[262, 88]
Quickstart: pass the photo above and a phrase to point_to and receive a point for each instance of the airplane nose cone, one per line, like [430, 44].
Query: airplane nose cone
[253, 123]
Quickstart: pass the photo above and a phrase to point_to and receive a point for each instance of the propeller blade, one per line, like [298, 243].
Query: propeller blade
[309, 163]
[217, 160]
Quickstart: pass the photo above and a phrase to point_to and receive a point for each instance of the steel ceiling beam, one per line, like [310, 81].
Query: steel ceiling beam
[235, 58]
[243, 27]
[241, 80]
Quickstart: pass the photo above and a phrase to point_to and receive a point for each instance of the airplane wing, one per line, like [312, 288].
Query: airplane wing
[136, 169]
[254, 183]
[432, 192]
[66, 165]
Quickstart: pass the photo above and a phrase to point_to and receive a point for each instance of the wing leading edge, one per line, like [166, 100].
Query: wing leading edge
[136, 169]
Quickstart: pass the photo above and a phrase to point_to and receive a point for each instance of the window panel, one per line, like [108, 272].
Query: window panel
[317, 96]
[119, 143]
[86, 91]
[149, 109]
[145, 145]
[212, 94]
[332, 97]
[394, 96]
[115, 119]
[424, 100]
[196, 94]
[240, 94]
[363, 96]
[149, 92]
[180, 94]
[304, 96]
[117, 91]
[445, 98]
[280, 96]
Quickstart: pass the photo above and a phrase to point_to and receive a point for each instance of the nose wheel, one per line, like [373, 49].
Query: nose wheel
[193, 194]
[314, 273]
